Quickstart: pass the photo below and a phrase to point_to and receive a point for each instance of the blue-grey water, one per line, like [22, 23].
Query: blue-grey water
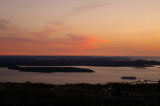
[101, 75]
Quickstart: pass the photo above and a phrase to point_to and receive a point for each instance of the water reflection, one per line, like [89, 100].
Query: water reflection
[101, 75]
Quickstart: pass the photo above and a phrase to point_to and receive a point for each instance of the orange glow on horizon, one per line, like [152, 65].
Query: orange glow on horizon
[92, 27]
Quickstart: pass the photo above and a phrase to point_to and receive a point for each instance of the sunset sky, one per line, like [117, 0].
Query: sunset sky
[80, 27]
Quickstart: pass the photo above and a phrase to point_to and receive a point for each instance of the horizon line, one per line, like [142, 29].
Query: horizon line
[85, 55]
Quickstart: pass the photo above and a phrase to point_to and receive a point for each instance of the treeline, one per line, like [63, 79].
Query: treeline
[6, 61]
[113, 94]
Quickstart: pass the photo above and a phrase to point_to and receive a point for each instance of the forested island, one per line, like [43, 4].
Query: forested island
[50, 69]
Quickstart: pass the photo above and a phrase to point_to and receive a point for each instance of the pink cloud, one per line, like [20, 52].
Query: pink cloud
[76, 42]
[13, 39]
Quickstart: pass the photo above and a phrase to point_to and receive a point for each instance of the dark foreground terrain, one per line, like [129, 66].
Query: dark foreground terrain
[113, 94]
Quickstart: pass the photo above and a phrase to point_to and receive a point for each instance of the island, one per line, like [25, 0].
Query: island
[50, 69]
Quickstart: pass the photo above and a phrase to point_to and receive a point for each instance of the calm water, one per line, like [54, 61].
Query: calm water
[154, 58]
[101, 75]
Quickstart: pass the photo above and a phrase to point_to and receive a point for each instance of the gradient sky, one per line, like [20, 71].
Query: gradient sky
[80, 27]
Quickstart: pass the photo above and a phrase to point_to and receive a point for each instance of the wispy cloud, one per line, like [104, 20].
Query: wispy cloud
[46, 39]
[4, 24]
[68, 43]
[16, 39]
[86, 5]
[9, 30]
[92, 4]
